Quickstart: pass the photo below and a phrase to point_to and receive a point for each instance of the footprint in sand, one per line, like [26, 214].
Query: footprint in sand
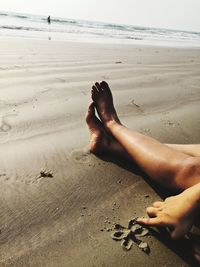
[134, 108]
[4, 176]
[137, 106]
[82, 155]
[167, 122]
[105, 77]
[131, 108]
[145, 131]
[133, 103]
[5, 127]
[61, 80]
[86, 92]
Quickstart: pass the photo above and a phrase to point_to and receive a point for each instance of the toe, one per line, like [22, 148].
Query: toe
[177, 233]
[106, 89]
[104, 84]
[94, 93]
[98, 86]
[92, 121]
[158, 204]
[100, 89]
[152, 212]
[90, 113]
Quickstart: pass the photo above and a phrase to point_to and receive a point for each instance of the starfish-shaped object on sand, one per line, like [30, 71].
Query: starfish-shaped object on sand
[131, 235]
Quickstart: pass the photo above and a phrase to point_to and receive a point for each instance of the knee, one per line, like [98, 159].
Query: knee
[191, 166]
[189, 172]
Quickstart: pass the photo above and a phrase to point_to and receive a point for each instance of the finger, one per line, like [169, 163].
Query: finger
[149, 221]
[176, 234]
[179, 232]
[152, 212]
[157, 204]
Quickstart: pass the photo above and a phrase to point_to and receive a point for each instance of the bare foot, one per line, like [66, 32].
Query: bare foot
[177, 213]
[100, 141]
[102, 97]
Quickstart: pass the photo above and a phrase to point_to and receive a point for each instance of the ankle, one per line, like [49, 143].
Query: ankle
[111, 124]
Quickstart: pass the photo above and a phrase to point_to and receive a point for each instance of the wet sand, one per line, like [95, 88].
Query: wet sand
[58, 202]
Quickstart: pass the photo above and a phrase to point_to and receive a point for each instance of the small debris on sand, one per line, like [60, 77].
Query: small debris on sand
[133, 103]
[118, 62]
[146, 196]
[45, 173]
[127, 243]
[144, 246]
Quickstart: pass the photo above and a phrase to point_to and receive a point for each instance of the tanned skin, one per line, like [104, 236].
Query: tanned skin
[172, 166]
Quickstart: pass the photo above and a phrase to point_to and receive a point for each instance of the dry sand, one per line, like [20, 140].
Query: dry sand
[44, 92]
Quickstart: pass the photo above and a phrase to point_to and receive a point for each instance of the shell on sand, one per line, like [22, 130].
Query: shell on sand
[127, 244]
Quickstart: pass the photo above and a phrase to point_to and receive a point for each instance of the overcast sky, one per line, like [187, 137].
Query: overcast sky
[172, 14]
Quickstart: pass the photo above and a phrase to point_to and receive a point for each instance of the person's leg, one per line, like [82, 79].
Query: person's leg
[190, 149]
[163, 164]
[100, 141]
[177, 213]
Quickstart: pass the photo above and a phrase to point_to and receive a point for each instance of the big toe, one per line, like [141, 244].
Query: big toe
[90, 113]
[92, 121]
[104, 84]
[106, 89]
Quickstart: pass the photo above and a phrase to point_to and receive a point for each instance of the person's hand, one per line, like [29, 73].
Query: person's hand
[177, 213]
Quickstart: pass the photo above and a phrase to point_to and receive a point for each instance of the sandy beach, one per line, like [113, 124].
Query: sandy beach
[58, 203]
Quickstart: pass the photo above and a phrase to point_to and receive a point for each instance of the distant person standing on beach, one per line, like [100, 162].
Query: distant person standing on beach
[49, 19]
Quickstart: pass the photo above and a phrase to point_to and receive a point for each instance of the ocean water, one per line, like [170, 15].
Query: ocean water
[34, 26]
